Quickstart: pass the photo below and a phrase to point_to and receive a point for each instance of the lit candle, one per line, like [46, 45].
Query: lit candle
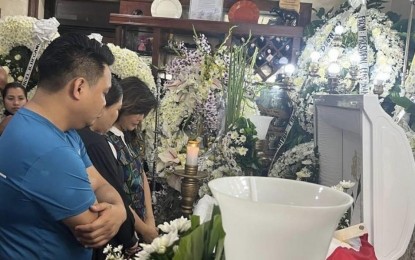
[192, 153]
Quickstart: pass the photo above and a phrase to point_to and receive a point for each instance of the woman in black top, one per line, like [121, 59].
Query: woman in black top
[103, 159]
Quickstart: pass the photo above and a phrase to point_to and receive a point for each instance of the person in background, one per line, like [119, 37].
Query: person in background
[53, 202]
[103, 160]
[138, 101]
[14, 97]
[3, 78]
[3, 81]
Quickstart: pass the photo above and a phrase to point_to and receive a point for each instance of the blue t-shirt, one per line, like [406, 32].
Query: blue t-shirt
[43, 180]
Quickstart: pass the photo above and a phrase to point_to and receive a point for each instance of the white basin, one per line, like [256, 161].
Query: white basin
[271, 218]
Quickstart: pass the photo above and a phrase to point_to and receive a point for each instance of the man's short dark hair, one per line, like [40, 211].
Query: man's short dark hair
[70, 56]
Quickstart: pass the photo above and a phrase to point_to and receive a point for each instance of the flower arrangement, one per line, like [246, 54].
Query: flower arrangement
[181, 239]
[128, 64]
[385, 56]
[234, 155]
[298, 163]
[196, 84]
[17, 42]
[194, 101]
[345, 186]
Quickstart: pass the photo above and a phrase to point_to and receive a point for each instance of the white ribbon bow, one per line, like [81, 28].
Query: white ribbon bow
[96, 36]
[356, 3]
[45, 29]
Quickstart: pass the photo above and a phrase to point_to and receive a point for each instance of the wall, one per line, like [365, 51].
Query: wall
[41, 9]
[401, 7]
[14, 7]
[19, 7]
[393, 5]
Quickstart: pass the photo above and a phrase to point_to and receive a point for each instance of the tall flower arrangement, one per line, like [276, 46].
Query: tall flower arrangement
[298, 163]
[385, 50]
[17, 42]
[385, 56]
[129, 64]
[194, 99]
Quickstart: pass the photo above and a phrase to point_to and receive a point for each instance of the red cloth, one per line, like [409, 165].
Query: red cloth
[366, 252]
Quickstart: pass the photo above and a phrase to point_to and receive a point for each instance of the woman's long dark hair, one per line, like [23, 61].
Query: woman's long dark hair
[138, 98]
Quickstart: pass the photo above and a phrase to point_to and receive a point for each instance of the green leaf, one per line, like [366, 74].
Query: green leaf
[191, 246]
[195, 221]
[216, 234]
[321, 12]
[203, 241]
[219, 254]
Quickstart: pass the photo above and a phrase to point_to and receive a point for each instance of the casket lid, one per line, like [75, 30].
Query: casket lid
[388, 167]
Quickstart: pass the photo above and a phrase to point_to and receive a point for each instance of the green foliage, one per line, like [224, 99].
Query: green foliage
[168, 202]
[296, 136]
[239, 66]
[203, 241]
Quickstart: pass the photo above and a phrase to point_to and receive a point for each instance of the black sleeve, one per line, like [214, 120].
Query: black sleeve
[106, 164]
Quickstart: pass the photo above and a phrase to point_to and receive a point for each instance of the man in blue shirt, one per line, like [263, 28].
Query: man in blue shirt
[53, 202]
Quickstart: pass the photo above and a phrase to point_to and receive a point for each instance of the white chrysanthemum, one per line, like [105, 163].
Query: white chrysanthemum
[303, 173]
[179, 225]
[338, 187]
[142, 255]
[242, 150]
[347, 184]
[234, 135]
[307, 162]
[107, 249]
[129, 64]
[295, 156]
[161, 243]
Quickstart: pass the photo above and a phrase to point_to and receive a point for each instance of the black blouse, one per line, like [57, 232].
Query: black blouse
[104, 161]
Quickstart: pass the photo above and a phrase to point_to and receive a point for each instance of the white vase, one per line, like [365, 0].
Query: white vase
[270, 218]
[261, 124]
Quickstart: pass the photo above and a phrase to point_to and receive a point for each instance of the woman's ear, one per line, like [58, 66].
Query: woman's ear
[77, 87]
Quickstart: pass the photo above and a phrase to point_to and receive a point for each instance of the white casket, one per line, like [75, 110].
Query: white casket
[358, 141]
